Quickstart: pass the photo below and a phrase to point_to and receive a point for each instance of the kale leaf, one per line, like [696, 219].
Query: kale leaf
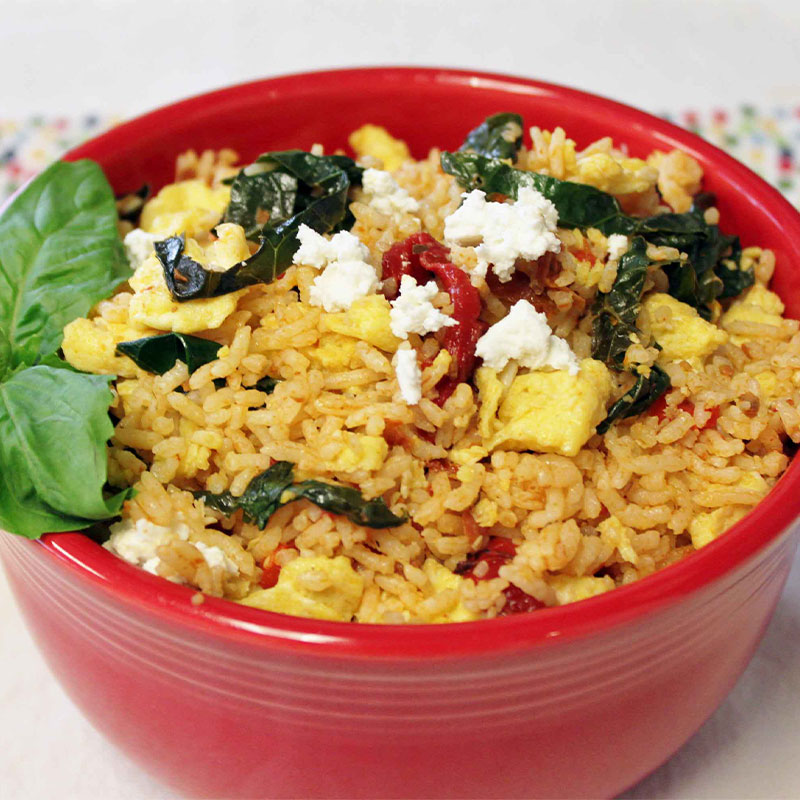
[267, 384]
[498, 136]
[270, 199]
[158, 354]
[275, 487]
[638, 398]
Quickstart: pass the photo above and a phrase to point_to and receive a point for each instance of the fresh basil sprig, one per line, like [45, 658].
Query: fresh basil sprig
[498, 136]
[275, 487]
[59, 254]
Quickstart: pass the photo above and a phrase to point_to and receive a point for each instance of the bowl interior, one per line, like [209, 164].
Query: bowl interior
[427, 108]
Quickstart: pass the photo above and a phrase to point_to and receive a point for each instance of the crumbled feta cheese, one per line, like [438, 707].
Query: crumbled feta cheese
[413, 312]
[139, 245]
[503, 232]
[137, 542]
[409, 375]
[316, 251]
[385, 195]
[346, 276]
[525, 336]
[617, 246]
[215, 557]
[342, 283]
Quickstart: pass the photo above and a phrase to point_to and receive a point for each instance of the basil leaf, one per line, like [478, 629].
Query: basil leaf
[158, 354]
[498, 136]
[615, 312]
[59, 254]
[5, 355]
[265, 494]
[638, 398]
[348, 502]
[54, 426]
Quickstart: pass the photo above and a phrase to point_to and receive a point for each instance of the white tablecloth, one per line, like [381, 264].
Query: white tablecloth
[127, 57]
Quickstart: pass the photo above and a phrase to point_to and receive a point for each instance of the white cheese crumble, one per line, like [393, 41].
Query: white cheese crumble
[138, 541]
[503, 232]
[346, 275]
[409, 375]
[525, 336]
[139, 246]
[385, 195]
[215, 557]
[617, 246]
[413, 312]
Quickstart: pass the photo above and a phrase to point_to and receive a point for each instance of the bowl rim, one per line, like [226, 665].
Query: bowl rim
[767, 523]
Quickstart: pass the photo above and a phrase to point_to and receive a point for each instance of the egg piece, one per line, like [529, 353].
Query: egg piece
[705, 527]
[490, 391]
[620, 537]
[377, 142]
[315, 587]
[90, 347]
[615, 175]
[190, 207]
[368, 319]
[758, 305]
[333, 351]
[569, 588]
[442, 579]
[359, 451]
[152, 304]
[552, 412]
[228, 249]
[680, 331]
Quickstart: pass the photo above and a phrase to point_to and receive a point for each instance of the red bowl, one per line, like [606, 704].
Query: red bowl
[579, 701]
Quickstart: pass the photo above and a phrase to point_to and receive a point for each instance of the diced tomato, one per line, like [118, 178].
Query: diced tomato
[659, 409]
[517, 602]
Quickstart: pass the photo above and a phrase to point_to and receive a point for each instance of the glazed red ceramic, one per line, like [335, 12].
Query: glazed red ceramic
[220, 700]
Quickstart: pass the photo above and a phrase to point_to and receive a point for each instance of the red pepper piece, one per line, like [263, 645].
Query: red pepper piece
[270, 569]
[497, 552]
[659, 409]
[517, 602]
[400, 259]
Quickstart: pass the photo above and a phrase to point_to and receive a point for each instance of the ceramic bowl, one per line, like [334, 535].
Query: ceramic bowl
[221, 700]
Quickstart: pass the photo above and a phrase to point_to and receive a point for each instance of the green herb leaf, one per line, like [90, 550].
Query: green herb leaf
[498, 136]
[615, 312]
[59, 254]
[265, 494]
[348, 502]
[159, 354]
[54, 426]
[638, 398]
[312, 191]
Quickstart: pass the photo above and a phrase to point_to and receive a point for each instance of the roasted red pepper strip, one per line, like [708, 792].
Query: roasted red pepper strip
[270, 569]
[659, 409]
[418, 256]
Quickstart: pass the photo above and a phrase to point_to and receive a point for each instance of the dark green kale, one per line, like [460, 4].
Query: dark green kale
[275, 487]
[498, 136]
[158, 354]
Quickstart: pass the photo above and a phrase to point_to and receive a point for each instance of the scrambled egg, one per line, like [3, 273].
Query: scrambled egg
[90, 346]
[152, 304]
[705, 527]
[367, 319]
[682, 333]
[548, 412]
[443, 580]
[189, 207]
[359, 451]
[615, 176]
[759, 305]
[333, 351]
[619, 536]
[377, 142]
[569, 589]
[316, 587]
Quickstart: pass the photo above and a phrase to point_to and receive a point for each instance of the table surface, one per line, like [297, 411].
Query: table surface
[121, 57]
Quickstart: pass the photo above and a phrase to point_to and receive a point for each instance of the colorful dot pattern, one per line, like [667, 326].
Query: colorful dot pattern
[767, 140]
